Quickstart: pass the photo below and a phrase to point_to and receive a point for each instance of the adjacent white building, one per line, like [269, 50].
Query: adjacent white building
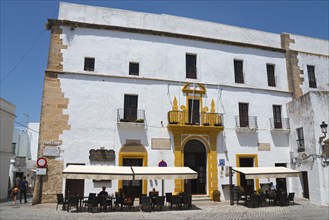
[7, 117]
[144, 88]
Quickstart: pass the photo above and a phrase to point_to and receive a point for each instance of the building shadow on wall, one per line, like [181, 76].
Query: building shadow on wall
[248, 139]
[280, 139]
[130, 132]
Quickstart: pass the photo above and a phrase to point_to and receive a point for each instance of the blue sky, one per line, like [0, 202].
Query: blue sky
[25, 42]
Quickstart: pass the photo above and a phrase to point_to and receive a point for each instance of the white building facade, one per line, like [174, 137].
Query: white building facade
[149, 88]
[7, 117]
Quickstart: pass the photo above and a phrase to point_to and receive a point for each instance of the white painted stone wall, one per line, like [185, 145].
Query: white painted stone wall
[93, 104]
[165, 23]
[309, 45]
[7, 117]
[308, 112]
[164, 58]
[321, 69]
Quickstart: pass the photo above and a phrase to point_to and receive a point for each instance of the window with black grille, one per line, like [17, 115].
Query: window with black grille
[300, 140]
[270, 75]
[238, 71]
[89, 64]
[191, 66]
[311, 76]
[134, 69]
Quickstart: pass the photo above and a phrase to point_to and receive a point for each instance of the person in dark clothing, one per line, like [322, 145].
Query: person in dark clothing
[23, 188]
[103, 192]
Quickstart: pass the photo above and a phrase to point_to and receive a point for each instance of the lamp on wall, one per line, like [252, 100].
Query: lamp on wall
[323, 127]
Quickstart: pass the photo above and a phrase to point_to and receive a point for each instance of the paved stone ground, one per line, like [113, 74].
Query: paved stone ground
[302, 209]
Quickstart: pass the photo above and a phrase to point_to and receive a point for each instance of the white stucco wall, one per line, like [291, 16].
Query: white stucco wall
[308, 112]
[165, 23]
[93, 120]
[321, 70]
[34, 138]
[309, 45]
[164, 58]
[7, 117]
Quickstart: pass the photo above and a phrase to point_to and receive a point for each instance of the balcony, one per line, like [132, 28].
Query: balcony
[131, 116]
[246, 123]
[195, 119]
[280, 125]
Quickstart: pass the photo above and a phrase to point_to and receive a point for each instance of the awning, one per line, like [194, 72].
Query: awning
[97, 172]
[127, 173]
[267, 172]
[164, 173]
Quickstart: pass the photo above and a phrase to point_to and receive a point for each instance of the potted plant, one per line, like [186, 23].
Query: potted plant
[216, 195]
[260, 191]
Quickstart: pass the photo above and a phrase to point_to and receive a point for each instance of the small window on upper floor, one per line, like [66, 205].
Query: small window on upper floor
[300, 140]
[311, 76]
[134, 69]
[238, 71]
[89, 64]
[191, 66]
[270, 75]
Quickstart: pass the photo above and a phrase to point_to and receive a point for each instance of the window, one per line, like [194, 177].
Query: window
[89, 64]
[130, 108]
[191, 66]
[243, 115]
[277, 116]
[270, 75]
[311, 76]
[134, 69]
[300, 140]
[238, 71]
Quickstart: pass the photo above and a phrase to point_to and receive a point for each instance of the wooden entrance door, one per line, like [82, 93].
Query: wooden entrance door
[248, 184]
[132, 187]
[195, 157]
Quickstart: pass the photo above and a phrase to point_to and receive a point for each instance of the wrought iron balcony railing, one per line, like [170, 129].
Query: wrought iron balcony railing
[131, 115]
[248, 122]
[280, 123]
[202, 119]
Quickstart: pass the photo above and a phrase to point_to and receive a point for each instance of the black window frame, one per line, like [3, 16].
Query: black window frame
[89, 64]
[270, 69]
[300, 139]
[311, 76]
[134, 68]
[191, 66]
[238, 72]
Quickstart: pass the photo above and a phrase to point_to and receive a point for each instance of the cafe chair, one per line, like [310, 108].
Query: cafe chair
[168, 198]
[73, 201]
[187, 201]
[61, 201]
[291, 198]
[253, 201]
[176, 201]
[89, 200]
[146, 203]
[159, 202]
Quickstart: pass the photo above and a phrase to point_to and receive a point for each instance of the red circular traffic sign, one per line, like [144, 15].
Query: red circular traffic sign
[41, 162]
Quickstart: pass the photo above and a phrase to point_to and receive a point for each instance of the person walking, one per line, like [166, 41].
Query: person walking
[14, 192]
[23, 184]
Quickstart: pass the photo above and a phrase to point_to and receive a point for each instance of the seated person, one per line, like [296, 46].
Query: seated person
[153, 193]
[103, 192]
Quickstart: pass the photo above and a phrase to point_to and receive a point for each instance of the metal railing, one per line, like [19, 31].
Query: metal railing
[246, 122]
[131, 115]
[280, 123]
[195, 118]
